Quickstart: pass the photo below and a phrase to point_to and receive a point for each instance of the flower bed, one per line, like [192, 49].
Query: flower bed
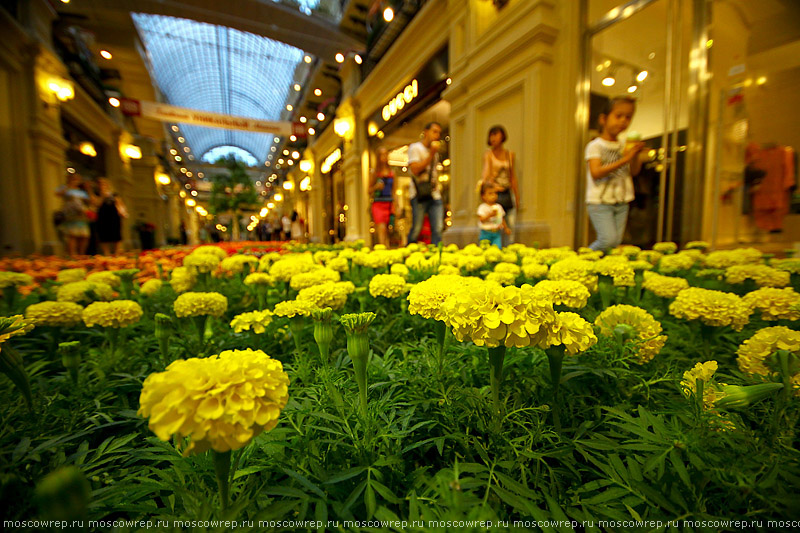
[402, 389]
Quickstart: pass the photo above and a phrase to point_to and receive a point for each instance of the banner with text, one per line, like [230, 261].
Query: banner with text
[171, 113]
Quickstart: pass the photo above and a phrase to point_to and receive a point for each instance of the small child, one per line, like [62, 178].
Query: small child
[610, 167]
[492, 216]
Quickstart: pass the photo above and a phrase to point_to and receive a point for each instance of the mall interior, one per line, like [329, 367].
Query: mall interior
[165, 99]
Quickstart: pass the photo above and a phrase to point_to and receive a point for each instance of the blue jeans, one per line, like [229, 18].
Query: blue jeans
[494, 237]
[609, 223]
[435, 212]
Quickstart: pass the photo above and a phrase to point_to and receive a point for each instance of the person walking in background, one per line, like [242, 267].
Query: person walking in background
[492, 217]
[110, 212]
[425, 190]
[610, 167]
[298, 227]
[382, 191]
[286, 225]
[498, 170]
[75, 222]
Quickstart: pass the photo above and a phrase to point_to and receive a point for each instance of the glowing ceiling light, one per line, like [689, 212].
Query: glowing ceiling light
[339, 57]
[307, 59]
[320, 116]
[632, 88]
[609, 81]
[388, 14]
[295, 154]
[305, 184]
[317, 92]
[87, 148]
[305, 165]
[288, 185]
[132, 151]
[278, 197]
[105, 54]
[311, 131]
[173, 151]
[303, 120]
[114, 102]
[174, 128]
[181, 139]
[289, 107]
[297, 87]
[641, 76]
[163, 179]
[191, 202]
[286, 152]
[293, 138]
[357, 59]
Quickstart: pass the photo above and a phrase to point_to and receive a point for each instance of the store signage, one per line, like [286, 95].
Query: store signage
[329, 161]
[400, 100]
[170, 113]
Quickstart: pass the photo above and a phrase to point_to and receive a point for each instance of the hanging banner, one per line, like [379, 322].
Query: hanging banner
[171, 113]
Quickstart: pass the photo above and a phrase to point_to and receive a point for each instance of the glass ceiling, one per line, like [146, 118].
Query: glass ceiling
[222, 70]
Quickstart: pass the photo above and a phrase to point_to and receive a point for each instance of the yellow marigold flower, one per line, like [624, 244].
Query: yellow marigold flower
[675, 262]
[116, 314]
[259, 278]
[561, 292]
[647, 330]
[315, 277]
[84, 291]
[427, 298]
[492, 315]
[619, 269]
[472, 249]
[726, 258]
[202, 263]
[55, 314]
[493, 254]
[451, 248]
[71, 274]
[447, 270]
[109, 278]
[151, 286]
[418, 261]
[14, 279]
[774, 304]
[573, 332]
[626, 250]
[714, 308]
[387, 285]
[639, 265]
[651, 256]
[255, 320]
[182, 279]
[711, 273]
[346, 286]
[763, 275]
[510, 268]
[502, 278]
[348, 253]
[200, 304]
[550, 256]
[323, 256]
[284, 269]
[664, 286]
[753, 354]
[399, 269]
[665, 247]
[712, 391]
[210, 249]
[236, 263]
[14, 325]
[292, 308]
[575, 269]
[376, 259]
[791, 265]
[329, 294]
[535, 270]
[591, 255]
[509, 257]
[449, 259]
[339, 264]
[471, 263]
[266, 260]
[221, 402]
[697, 245]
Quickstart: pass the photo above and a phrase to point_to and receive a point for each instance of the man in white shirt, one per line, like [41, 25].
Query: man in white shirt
[425, 191]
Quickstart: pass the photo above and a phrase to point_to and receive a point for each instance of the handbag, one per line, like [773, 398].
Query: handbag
[425, 188]
[504, 199]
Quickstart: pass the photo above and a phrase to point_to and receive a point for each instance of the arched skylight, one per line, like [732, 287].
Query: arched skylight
[305, 5]
[224, 151]
[222, 70]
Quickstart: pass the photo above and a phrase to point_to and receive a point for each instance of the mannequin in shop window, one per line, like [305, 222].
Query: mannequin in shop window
[770, 176]
[382, 192]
